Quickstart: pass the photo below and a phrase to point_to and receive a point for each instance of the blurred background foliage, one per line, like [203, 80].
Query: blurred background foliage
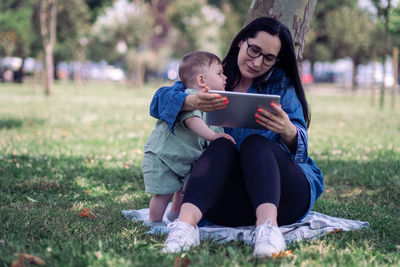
[142, 37]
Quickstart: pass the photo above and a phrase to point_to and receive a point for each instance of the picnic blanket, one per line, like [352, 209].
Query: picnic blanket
[310, 227]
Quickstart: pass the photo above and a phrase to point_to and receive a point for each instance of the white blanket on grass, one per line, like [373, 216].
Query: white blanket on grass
[312, 226]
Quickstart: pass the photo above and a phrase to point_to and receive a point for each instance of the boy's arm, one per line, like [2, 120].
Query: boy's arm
[199, 127]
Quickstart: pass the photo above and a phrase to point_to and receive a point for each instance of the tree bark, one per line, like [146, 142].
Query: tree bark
[354, 77]
[48, 25]
[395, 75]
[295, 14]
[382, 93]
[373, 86]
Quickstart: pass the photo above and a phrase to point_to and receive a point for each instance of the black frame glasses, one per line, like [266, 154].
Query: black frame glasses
[253, 51]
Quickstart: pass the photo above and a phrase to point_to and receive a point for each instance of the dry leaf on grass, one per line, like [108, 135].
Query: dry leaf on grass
[86, 213]
[285, 253]
[337, 230]
[181, 262]
[31, 259]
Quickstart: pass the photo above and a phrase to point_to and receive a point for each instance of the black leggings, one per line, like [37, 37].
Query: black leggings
[228, 185]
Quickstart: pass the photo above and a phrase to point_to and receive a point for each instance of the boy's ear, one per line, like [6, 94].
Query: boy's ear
[201, 80]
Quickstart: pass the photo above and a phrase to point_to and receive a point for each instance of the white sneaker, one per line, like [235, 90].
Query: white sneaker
[268, 240]
[181, 237]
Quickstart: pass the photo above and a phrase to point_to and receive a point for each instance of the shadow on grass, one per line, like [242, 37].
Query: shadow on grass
[366, 191]
[68, 176]
[10, 123]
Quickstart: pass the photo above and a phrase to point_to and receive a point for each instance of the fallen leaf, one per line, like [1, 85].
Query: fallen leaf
[98, 255]
[337, 230]
[181, 262]
[16, 163]
[87, 191]
[86, 213]
[19, 262]
[31, 259]
[285, 253]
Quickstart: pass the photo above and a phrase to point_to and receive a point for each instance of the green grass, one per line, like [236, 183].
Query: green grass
[72, 150]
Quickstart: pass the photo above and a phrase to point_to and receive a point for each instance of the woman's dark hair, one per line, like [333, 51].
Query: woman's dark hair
[286, 56]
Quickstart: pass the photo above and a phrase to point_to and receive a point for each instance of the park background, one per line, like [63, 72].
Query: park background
[77, 142]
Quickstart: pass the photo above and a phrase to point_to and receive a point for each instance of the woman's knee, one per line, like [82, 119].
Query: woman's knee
[257, 142]
[223, 146]
[218, 157]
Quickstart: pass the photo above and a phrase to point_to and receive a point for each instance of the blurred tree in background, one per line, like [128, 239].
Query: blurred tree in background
[122, 35]
[350, 32]
[16, 32]
[319, 41]
[383, 10]
[73, 28]
[142, 36]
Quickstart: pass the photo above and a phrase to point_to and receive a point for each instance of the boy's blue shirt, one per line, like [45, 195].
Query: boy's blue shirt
[167, 102]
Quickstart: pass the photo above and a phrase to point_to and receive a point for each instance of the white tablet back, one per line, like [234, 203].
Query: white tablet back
[239, 113]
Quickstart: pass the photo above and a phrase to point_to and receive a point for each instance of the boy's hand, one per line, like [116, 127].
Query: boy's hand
[224, 135]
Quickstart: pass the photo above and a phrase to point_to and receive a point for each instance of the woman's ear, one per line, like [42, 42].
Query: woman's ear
[201, 80]
[240, 43]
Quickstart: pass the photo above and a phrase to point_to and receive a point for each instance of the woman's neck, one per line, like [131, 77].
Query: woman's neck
[243, 85]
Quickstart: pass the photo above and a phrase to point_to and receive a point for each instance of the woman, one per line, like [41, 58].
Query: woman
[267, 179]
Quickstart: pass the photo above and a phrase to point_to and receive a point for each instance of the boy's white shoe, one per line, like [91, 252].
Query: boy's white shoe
[268, 240]
[181, 237]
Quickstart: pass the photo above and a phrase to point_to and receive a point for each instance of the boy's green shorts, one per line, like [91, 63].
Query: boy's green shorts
[158, 177]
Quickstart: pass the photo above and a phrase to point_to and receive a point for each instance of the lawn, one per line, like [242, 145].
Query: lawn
[76, 150]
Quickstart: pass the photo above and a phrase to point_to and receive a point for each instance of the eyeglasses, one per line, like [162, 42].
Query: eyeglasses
[254, 52]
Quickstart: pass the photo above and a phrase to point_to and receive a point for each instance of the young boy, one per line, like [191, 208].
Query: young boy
[169, 156]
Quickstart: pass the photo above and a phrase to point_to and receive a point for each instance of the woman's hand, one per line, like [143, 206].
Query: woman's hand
[204, 101]
[278, 122]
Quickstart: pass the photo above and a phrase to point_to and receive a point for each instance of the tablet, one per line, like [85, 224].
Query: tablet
[239, 113]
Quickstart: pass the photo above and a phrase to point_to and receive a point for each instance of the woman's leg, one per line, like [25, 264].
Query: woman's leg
[278, 190]
[208, 179]
[277, 187]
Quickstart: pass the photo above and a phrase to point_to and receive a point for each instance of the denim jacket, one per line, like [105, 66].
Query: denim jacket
[167, 102]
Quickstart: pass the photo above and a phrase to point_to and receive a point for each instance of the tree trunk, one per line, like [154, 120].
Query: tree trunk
[48, 23]
[382, 96]
[295, 14]
[49, 69]
[373, 85]
[354, 83]
[395, 75]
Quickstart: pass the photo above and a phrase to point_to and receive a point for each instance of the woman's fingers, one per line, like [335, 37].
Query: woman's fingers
[274, 121]
[208, 102]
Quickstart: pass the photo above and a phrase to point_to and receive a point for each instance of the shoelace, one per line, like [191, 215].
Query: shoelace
[179, 231]
[263, 233]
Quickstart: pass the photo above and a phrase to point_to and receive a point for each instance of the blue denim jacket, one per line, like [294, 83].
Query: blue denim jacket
[167, 102]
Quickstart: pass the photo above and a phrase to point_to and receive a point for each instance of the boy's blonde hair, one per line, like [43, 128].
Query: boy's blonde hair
[193, 64]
